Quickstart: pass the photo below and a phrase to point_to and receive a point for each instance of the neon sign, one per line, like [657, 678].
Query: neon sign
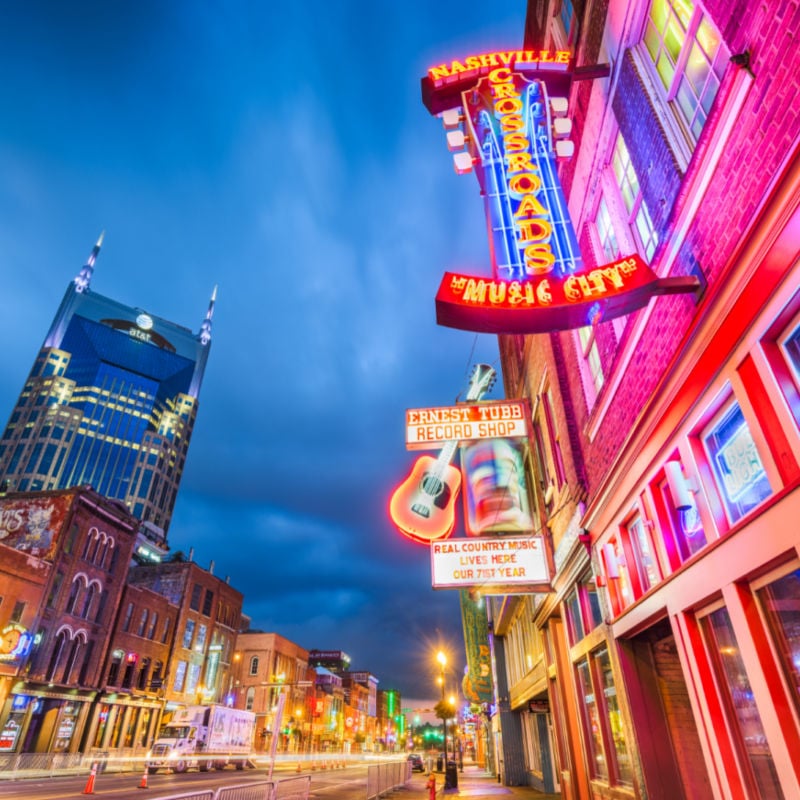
[506, 115]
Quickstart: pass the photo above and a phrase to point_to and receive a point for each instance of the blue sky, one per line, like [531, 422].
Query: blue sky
[281, 152]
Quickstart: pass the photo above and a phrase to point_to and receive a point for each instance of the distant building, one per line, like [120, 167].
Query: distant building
[110, 402]
[202, 635]
[63, 560]
[269, 666]
[335, 660]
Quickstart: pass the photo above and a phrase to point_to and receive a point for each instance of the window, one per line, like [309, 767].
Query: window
[208, 602]
[126, 622]
[200, 641]
[254, 665]
[165, 634]
[627, 181]
[688, 535]
[197, 591]
[591, 369]
[780, 600]
[606, 237]
[192, 678]
[180, 677]
[619, 578]
[188, 633]
[743, 713]
[583, 608]
[688, 56]
[250, 698]
[644, 556]
[142, 623]
[606, 744]
[17, 611]
[738, 471]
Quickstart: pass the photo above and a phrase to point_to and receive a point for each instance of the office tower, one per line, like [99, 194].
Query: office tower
[110, 402]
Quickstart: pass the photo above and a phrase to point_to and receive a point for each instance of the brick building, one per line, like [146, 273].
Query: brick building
[664, 460]
[57, 609]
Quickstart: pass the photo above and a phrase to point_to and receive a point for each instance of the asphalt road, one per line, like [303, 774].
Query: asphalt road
[342, 784]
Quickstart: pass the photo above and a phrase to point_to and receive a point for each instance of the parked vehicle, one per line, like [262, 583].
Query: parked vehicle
[205, 737]
[417, 764]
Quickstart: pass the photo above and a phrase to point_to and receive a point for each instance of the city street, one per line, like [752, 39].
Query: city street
[344, 784]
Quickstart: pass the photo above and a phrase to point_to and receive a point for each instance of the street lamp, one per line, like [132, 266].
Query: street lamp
[442, 659]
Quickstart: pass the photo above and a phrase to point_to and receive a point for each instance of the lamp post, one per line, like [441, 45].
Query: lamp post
[442, 659]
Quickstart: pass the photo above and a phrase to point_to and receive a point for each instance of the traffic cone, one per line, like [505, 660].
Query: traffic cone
[143, 781]
[298, 768]
[89, 788]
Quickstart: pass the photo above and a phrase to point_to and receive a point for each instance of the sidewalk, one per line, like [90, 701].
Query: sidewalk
[474, 782]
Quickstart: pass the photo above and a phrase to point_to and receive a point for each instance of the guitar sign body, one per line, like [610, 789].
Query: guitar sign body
[423, 505]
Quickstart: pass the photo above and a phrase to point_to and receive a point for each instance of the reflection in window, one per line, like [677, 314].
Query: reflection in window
[624, 769]
[739, 473]
[687, 527]
[689, 57]
[646, 561]
[591, 717]
[735, 685]
[781, 602]
[630, 190]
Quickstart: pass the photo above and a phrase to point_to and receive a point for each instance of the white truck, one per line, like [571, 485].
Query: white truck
[205, 737]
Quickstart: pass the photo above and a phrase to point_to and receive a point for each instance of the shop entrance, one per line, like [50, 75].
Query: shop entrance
[669, 745]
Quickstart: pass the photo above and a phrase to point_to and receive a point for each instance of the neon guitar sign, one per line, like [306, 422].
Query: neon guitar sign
[423, 506]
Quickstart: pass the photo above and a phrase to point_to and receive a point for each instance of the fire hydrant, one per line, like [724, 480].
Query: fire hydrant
[431, 786]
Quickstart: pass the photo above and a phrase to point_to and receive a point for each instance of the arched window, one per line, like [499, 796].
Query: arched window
[254, 665]
[78, 582]
[90, 547]
[250, 698]
[73, 655]
[60, 643]
[100, 554]
[91, 593]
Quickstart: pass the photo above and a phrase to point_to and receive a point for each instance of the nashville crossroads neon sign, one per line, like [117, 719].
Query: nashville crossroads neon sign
[539, 282]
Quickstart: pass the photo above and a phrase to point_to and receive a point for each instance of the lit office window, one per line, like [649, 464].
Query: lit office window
[689, 57]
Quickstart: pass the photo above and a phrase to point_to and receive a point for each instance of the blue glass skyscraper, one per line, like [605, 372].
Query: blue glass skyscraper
[111, 402]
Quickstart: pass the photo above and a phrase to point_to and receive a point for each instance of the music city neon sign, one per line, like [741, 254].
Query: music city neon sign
[539, 282]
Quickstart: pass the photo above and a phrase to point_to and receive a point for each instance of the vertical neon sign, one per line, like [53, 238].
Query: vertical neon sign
[505, 114]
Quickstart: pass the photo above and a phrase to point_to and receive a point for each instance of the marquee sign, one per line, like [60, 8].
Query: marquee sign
[430, 428]
[506, 116]
[495, 565]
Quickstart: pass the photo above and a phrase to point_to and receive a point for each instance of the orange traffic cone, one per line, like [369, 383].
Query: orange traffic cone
[143, 781]
[298, 767]
[89, 788]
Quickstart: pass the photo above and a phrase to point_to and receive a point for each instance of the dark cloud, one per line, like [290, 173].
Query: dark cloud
[284, 154]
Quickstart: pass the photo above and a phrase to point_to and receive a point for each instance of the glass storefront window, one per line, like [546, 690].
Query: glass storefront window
[624, 768]
[592, 724]
[735, 685]
[738, 471]
[781, 603]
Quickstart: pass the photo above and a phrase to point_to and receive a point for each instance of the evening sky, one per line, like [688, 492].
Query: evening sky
[280, 151]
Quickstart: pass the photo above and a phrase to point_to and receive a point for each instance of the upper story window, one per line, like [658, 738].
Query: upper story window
[592, 367]
[630, 192]
[688, 56]
[606, 235]
[569, 23]
[643, 551]
[738, 471]
[254, 665]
